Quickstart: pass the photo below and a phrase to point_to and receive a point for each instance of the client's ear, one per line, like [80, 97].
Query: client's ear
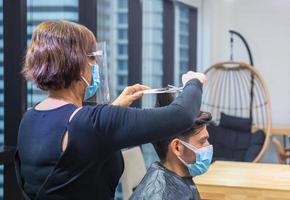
[176, 147]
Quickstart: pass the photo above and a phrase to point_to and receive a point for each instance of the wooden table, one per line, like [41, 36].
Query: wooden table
[245, 181]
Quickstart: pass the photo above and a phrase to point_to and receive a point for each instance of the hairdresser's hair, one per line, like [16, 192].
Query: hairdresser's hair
[57, 54]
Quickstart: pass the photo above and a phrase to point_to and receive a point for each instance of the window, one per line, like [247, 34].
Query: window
[38, 11]
[1, 95]
[122, 80]
[122, 49]
[122, 18]
[122, 34]
[152, 46]
[181, 41]
[112, 27]
[122, 65]
[122, 4]
[152, 60]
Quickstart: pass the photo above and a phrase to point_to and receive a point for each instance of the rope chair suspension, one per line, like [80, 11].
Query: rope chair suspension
[237, 89]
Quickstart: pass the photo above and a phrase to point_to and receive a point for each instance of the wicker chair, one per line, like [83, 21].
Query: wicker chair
[238, 89]
[283, 154]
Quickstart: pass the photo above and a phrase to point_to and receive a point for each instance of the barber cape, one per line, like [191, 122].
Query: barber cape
[162, 184]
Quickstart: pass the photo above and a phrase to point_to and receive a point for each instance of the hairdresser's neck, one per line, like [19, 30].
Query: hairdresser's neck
[66, 95]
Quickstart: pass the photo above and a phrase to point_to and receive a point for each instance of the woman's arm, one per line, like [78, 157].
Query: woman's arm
[124, 127]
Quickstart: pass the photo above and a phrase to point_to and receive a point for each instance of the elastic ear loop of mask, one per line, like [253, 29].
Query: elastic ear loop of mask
[85, 81]
[188, 146]
[193, 148]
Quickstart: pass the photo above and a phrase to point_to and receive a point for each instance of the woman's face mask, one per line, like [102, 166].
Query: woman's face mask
[203, 158]
[92, 87]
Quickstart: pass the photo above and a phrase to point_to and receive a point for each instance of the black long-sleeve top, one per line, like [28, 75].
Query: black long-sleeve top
[92, 164]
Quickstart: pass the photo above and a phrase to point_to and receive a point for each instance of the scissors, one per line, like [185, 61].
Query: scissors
[168, 89]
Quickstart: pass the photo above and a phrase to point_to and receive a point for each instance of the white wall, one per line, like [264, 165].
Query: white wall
[266, 26]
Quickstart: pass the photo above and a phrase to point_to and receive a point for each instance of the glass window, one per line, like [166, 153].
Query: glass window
[157, 18]
[157, 51]
[123, 34]
[123, 4]
[183, 28]
[122, 18]
[122, 49]
[122, 80]
[158, 6]
[183, 53]
[152, 45]
[181, 41]
[153, 36]
[183, 12]
[1, 95]
[152, 60]
[38, 11]
[122, 65]
[112, 27]
[183, 66]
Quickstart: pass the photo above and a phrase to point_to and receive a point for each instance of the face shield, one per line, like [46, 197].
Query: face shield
[97, 91]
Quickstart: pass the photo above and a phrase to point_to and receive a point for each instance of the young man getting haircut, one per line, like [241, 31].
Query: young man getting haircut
[181, 158]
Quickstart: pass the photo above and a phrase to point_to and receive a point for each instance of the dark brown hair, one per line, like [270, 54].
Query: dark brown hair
[57, 54]
[202, 119]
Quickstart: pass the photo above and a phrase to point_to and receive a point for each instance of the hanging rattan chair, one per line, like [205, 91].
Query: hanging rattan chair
[237, 89]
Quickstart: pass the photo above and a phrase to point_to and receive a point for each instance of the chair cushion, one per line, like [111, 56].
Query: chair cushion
[257, 142]
[235, 145]
[228, 144]
[235, 123]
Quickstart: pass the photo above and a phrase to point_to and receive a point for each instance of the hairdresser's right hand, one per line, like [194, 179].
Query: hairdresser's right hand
[191, 75]
[130, 94]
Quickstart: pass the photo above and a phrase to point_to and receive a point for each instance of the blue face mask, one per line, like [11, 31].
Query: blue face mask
[203, 157]
[92, 88]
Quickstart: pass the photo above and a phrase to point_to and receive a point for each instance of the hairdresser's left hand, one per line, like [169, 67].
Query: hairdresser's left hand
[130, 94]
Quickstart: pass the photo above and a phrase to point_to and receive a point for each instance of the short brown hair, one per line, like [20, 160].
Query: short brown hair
[57, 54]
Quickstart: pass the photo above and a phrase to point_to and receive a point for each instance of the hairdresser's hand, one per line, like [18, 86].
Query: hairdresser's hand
[129, 95]
[191, 75]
